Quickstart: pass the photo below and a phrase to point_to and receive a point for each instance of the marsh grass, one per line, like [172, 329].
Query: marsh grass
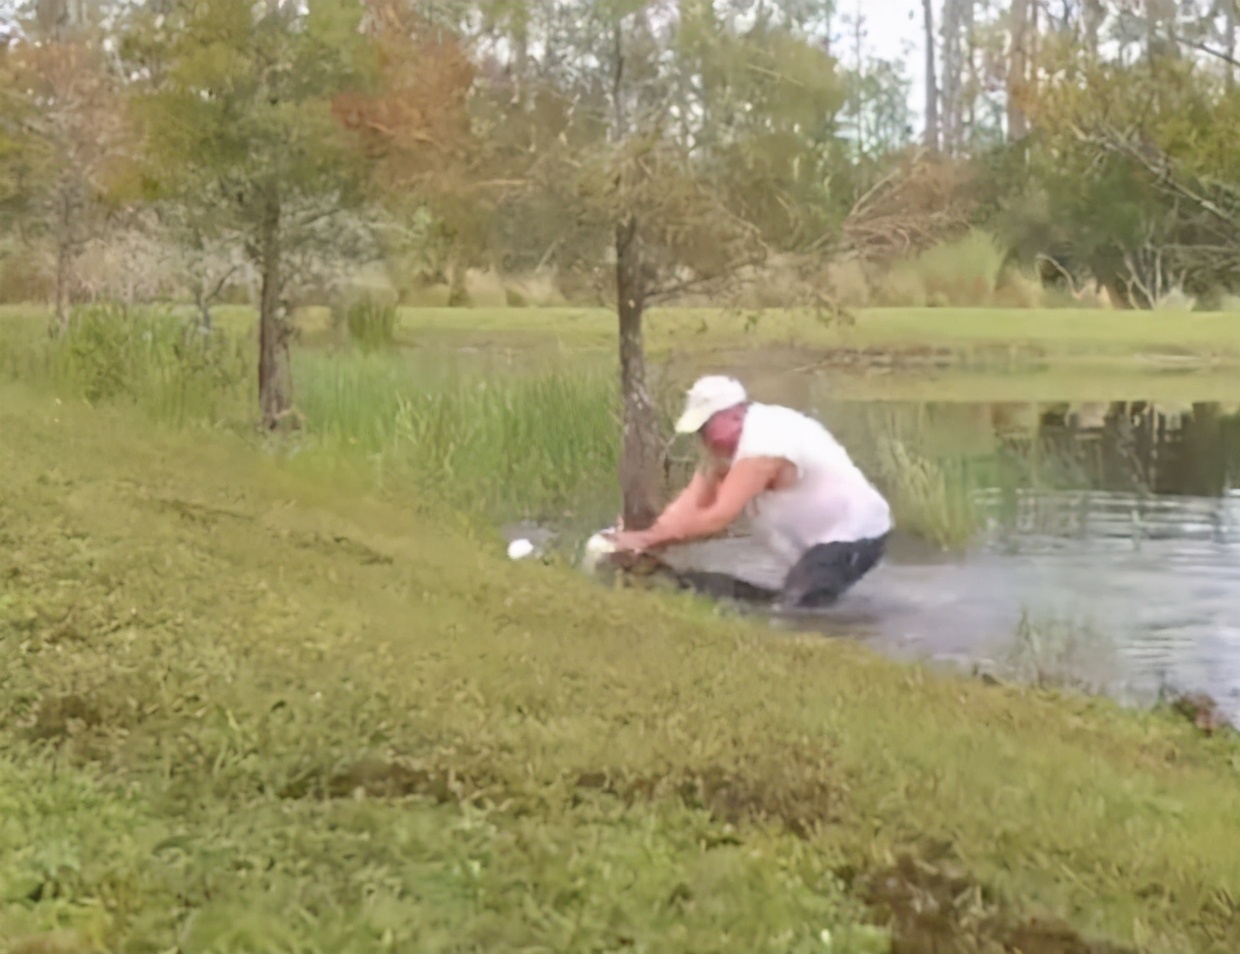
[930, 498]
[370, 323]
[1056, 653]
[537, 444]
[531, 443]
[925, 467]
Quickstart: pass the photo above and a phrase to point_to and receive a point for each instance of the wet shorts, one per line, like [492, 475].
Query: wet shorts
[822, 575]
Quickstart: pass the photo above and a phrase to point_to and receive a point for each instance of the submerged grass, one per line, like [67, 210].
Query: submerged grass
[302, 719]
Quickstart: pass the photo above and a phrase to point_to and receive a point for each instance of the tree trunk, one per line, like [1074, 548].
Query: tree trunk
[1094, 14]
[458, 291]
[64, 262]
[639, 455]
[61, 321]
[275, 380]
[204, 313]
[1231, 13]
[932, 83]
[956, 27]
[1018, 69]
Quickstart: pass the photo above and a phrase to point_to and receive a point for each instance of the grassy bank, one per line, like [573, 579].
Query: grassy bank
[248, 710]
[541, 443]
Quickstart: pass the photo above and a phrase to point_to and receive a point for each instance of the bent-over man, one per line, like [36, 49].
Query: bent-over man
[806, 500]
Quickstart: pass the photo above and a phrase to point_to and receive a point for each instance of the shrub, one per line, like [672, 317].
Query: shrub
[370, 323]
[149, 357]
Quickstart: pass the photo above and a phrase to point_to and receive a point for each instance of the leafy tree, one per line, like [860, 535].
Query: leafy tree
[238, 123]
[63, 148]
[416, 125]
[1137, 165]
[684, 155]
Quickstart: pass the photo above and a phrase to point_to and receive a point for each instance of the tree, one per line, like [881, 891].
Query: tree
[63, 149]
[238, 123]
[1018, 68]
[1137, 165]
[932, 138]
[688, 153]
[417, 128]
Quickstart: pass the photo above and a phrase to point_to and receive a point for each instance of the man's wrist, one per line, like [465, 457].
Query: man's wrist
[660, 534]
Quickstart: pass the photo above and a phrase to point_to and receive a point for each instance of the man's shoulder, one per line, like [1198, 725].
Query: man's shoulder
[772, 430]
[788, 419]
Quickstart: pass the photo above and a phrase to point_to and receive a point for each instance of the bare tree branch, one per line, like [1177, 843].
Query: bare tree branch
[1205, 48]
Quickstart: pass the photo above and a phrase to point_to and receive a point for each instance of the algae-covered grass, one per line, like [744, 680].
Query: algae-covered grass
[247, 710]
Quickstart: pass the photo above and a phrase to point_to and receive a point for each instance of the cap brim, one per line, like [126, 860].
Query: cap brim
[692, 421]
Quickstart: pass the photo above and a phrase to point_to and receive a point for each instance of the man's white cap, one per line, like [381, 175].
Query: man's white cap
[707, 397]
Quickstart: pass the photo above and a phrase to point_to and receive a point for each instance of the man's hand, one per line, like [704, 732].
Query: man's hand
[632, 541]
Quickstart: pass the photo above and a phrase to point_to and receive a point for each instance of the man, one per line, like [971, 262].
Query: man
[805, 498]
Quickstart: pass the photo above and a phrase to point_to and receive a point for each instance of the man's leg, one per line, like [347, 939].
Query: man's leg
[827, 570]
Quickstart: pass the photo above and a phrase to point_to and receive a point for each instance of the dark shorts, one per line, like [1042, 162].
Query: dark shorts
[822, 575]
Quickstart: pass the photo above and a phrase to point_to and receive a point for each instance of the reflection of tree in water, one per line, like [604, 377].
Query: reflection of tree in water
[1144, 446]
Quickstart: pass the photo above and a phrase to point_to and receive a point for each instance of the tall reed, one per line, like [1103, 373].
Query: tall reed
[540, 443]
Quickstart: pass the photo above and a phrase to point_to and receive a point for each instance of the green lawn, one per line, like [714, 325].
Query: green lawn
[1058, 332]
[1065, 333]
[247, 709]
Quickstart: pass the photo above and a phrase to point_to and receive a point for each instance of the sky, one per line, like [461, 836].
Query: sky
[893, 31]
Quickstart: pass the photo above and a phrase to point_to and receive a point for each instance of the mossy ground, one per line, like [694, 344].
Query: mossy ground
[247, 709]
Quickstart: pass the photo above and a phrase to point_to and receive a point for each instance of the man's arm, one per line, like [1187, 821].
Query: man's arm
[699, 494]
[744, 481]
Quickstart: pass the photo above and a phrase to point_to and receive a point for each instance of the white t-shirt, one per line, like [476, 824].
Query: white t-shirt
[831, 500]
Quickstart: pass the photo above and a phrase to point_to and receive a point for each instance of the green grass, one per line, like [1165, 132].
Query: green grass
[141, 356]
[248, 710]
[541, 444]
[1060, 334]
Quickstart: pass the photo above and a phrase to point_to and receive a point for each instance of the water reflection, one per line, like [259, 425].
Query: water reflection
[1187, 449]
